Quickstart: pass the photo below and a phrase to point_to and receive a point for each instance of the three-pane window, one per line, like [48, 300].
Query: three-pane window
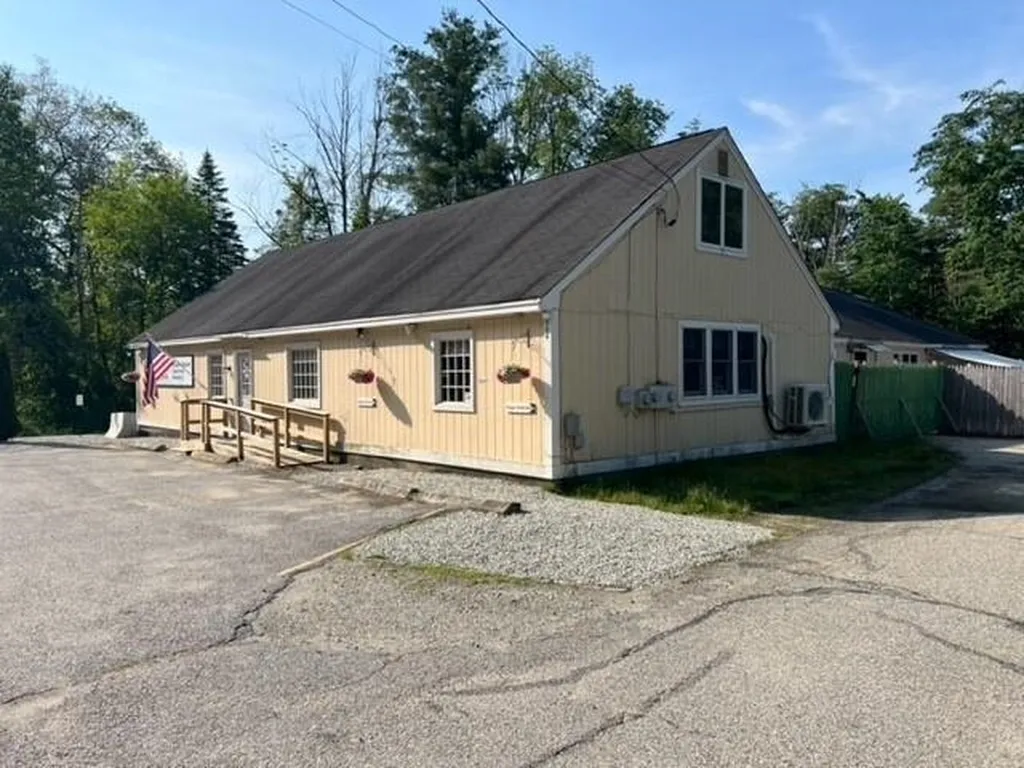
[722, 214]
[719, 361]
[304, 378]
[453, 372]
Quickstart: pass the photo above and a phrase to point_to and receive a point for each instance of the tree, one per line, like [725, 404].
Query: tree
[818, 220]
[333, 177]
[891, 258]
[223, 251]
[8, 416]
[626, 123]
[303, 217]
[148, 232]
[974, 167]
[550, 125]
[35, 366]
[442, 115]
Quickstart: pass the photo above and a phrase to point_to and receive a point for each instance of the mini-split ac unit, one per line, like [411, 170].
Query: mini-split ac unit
[806, 405]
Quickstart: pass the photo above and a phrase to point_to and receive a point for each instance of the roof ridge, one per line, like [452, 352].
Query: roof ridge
[509, 188]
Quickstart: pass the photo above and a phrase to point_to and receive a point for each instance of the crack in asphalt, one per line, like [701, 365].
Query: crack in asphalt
[890, 590]
[581, 672]
[242, 630]
[959, 647]
[641, 711]
[848, 586]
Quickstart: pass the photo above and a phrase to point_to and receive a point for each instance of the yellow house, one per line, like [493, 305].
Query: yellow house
[646, 310]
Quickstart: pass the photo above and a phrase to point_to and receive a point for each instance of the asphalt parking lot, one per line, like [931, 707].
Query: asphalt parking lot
[144, 625]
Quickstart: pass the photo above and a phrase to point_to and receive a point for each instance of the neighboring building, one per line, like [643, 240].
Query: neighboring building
[666, 268]
[875, 335]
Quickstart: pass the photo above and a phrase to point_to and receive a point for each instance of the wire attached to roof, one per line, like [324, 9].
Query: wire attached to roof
[590, 108]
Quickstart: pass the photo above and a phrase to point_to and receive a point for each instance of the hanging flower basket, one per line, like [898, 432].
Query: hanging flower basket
[512, 373]
[359, 376]
[130, 377]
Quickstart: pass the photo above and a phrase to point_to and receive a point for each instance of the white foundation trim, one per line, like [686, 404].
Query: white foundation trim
[674, 457]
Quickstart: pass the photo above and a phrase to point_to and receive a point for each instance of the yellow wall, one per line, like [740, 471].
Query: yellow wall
[619, 325]
[404, 423]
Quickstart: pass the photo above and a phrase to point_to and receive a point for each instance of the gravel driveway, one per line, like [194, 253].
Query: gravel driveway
[558, 539]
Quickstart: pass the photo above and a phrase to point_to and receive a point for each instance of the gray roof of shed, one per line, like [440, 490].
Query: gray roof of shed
[864, 320]
[510, 245]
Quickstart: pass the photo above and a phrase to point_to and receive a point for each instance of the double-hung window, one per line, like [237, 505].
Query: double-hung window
[215, 374]
[719, 361]
[304, 376]
[723, 214]
[453, 372]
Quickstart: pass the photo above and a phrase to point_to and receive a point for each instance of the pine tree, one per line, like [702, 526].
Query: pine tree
[225, 251]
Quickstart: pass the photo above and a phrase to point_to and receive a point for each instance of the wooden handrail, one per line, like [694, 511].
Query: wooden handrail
[287, 409]
[209, 405]
[295, 408]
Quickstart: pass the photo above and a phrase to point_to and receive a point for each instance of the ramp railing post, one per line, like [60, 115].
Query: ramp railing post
[239, 440]
[277, 442]
[327, 439]
[204, 425]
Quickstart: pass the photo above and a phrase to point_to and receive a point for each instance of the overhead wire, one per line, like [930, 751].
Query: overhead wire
[369, 23]
[583, 102]
[328, 25]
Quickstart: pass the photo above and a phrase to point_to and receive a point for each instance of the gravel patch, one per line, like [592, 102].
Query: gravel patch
[559, 539]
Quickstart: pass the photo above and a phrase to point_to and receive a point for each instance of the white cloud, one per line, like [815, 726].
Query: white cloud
[851, 69]
[791, 133]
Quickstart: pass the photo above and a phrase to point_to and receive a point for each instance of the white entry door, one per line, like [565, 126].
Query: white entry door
[243, 385]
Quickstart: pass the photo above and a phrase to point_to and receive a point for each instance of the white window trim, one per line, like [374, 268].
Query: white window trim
[305, 402]
[223, 374]
[722, 250]
[435, 347]
[699, 401]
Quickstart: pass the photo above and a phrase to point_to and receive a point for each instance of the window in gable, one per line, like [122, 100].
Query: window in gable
[722, 214]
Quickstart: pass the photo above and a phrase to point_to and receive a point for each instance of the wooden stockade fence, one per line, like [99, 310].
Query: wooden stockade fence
[985, 401]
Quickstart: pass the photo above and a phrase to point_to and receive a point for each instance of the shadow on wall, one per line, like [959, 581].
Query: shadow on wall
[393, 402]
[543, 391]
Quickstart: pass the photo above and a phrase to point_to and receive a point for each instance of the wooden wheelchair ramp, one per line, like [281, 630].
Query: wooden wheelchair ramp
[247, 433]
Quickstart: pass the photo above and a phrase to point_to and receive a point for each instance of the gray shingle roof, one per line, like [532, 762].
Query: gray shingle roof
[510, 245]
[864, 320]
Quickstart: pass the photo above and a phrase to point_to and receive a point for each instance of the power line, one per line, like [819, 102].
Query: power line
[369, 23]
[554, 74]
[328, 25]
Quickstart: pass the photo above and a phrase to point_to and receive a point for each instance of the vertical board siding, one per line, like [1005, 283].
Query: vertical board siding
[985, 401]
[888, 402]
[404, 421]
[620, 327]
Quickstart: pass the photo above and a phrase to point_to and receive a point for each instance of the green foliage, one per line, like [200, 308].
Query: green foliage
[818, 219]
[550, 125]
[974, 165]
[223, 251]
[891, 259]
[148, 233]
[303, 217]
[626, 123]
[442, 117]
[8, 417]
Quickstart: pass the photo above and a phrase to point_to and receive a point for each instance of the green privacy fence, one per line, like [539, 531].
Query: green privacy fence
[888, 402]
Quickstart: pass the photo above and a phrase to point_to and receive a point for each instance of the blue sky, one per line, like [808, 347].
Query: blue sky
[814, 91]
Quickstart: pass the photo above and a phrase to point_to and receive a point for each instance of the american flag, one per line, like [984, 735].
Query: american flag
[158, 365]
